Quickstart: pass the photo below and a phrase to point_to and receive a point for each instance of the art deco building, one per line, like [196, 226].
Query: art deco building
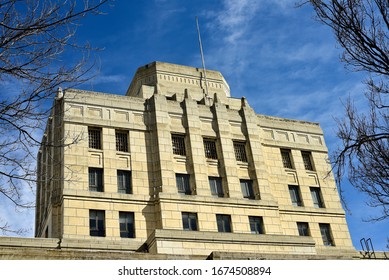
[170, 169]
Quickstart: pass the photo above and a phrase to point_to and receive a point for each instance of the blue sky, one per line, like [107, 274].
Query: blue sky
[276, 55]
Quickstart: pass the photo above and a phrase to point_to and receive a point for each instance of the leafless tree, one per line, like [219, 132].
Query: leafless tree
[35, 36]
[361, 28]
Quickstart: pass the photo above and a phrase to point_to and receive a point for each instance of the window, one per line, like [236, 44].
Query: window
[97, 222]
[216, 186]
[286, 158]
[124, 181]
[294, 192]
[94, 137]
[96, 180]
[189, 221]
[240, 151]
[127, 224]
[178, 143]
[223, 223]
[316, 197]
[210, 148]
[256, 225]
[121, 141]
[326, 235]
[247, 189]
[307, 159]
[303, 229]
[183, 186]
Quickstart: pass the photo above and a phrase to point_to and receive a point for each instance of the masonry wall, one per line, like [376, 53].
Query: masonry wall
[166, 107]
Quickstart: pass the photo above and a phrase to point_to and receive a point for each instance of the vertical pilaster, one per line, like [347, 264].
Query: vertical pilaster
[257, 164]
[228, 166]
[163, 175]
[57, 172]
[197, 165]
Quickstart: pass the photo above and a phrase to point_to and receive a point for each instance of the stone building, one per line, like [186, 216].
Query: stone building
[175, 167]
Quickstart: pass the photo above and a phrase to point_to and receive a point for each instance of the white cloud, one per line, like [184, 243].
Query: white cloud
[104, 79]
[311, 51]
[235, 17]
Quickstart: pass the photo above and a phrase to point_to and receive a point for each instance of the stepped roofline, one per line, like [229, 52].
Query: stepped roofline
[176, 79]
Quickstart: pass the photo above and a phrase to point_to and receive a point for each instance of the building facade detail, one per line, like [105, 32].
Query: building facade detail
[166, 170]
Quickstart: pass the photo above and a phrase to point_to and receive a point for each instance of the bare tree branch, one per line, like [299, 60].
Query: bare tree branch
[35, 36]
[361, 28]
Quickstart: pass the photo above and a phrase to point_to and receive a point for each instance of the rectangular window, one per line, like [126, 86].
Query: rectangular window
[326, 234]
[286, 158]
[127, 224]
[316, 197]
[183, 186]
[223, 223]
[216, 186]
[307, 159]
[247, 189]
[96, 180]
[94, 138]
[178, 143]
[124, 181]
[303, 229]
[97, 222]
[210, 148]
[294, 192]
[240, 151]
[256, 225]
[189, 221]
[121, 141]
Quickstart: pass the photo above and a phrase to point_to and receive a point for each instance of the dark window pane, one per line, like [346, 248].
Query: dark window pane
[97, 222]
[286, 159]
[223, 223]
[94, 136]
[294, 192]
[240, 151]
[256, 225]
[247, 189]
[303, 229]
[210, 148]
[122, 141]
[124, 181]
[216, 186]
[189, 221]
[185, 221]
[183, 186]
[326, 234]
[307, 159]
[316, 197]
[178, 143]
[96, 180]
[127, 227]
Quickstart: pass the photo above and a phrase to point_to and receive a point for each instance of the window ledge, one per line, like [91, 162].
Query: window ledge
[243, 164]
[290, 169]
[95, 150]
[120, 153]
[182, 159]
[213, 162]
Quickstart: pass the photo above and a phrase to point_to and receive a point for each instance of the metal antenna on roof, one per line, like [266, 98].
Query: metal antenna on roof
[202, 58]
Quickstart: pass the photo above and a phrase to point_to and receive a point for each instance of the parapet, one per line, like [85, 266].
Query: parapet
[172, 81]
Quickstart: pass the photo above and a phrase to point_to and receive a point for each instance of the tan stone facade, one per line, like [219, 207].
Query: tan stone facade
[170, 169]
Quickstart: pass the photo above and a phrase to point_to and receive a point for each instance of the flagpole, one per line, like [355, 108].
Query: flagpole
[202, 58]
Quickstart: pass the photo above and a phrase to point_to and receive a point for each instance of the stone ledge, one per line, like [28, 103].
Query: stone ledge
[266, 256]
[221, 237]
[68, 243]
